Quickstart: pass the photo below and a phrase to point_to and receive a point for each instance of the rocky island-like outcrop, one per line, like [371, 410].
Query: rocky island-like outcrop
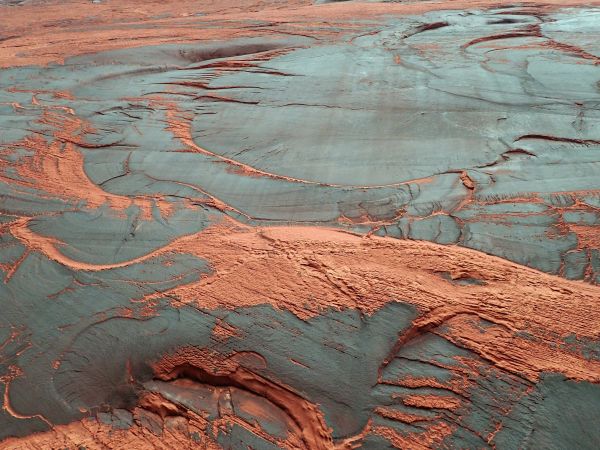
[300, 225]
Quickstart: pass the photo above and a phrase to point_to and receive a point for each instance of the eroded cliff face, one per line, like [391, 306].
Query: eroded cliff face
[295, 225]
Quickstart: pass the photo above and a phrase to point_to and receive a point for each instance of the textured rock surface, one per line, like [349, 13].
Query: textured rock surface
[290, 224]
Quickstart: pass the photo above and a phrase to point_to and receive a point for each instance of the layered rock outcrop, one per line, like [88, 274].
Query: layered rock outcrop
[296, 225]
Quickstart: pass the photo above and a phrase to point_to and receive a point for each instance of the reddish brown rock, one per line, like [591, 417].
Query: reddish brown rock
[301, 225]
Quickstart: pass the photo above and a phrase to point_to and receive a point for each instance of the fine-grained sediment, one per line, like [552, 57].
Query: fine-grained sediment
[299, 225]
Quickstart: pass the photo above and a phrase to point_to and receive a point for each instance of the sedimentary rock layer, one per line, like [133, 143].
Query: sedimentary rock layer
[297, 225]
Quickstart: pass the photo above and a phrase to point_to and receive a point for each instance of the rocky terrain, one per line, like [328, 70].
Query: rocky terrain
[263, 224]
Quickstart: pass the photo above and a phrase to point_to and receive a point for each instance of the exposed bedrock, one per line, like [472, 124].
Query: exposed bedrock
[286, 225]
[476, 128]
[313, 339]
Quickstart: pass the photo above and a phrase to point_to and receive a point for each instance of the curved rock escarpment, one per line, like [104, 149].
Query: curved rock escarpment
[221, 124]
[413, 344]
[288, 225]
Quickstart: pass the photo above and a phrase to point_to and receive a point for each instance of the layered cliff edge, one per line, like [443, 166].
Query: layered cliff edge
[299, 225]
